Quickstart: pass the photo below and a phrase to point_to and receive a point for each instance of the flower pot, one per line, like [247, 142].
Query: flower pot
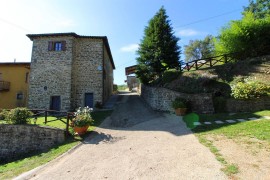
[80, 130]
[180, 111]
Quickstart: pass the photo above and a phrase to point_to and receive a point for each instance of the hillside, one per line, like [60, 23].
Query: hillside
[218, 79]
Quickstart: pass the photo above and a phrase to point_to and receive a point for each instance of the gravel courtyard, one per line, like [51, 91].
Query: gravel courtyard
[136, 143]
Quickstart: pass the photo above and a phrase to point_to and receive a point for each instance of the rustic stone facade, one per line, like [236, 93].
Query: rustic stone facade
[161, 99]
[83, 66]
[18, 140]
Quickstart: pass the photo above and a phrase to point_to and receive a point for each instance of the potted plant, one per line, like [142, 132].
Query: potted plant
[180, 106]
[82, 120]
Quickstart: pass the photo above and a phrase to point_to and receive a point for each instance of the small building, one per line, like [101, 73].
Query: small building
[14, 78]
[132, 81]
[69, 71]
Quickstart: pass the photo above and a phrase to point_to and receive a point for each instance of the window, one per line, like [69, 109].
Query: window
[19, 96]
[57, 45]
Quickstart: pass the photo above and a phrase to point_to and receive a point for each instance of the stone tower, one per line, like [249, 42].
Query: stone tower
[69, 71]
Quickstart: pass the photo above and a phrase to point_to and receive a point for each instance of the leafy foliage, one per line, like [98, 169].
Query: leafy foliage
[158, 49]
[260, 8]
[179, 103]
[3, 114]
[18, 116]
[170, 75]
[199, 49]
[249, 36]
[82, 117]
[249, 90]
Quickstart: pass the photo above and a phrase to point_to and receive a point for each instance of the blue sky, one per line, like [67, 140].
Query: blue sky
[122, 21]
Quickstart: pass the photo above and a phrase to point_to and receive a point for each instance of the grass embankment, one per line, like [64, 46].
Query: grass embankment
[13, 169]
[254, 135]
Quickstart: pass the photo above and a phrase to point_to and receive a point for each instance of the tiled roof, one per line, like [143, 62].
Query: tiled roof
[104, 38]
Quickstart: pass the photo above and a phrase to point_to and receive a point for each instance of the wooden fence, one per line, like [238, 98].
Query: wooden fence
[59, 116]
[210, 62]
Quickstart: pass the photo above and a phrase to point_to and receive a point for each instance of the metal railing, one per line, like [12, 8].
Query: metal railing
[4, 85]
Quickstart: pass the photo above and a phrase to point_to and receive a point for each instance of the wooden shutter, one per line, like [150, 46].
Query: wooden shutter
[50, 46]
[63, 45]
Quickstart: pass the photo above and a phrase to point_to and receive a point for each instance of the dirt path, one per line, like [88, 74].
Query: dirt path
[136, 143]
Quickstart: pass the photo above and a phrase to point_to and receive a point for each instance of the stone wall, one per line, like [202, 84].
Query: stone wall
[18, 140]
[233, 105]
[50, 73]
[108, 75]
[87, 70]
[161, 98]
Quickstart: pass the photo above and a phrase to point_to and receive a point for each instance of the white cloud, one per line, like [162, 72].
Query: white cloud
[130, 48]
[189, 32]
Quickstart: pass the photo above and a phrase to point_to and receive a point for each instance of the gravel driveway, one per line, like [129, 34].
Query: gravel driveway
[136, 143]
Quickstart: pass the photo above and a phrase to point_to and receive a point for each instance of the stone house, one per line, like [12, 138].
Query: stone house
[69, 71]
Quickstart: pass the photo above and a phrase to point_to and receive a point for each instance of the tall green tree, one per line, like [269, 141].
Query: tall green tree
[199, 49]
[249, 36]
[260, 8]
[158, 49]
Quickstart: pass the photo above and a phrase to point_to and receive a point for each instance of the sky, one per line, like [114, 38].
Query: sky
[122, 21]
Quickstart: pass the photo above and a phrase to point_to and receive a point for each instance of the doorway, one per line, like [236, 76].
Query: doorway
[89, 100]
[55, 103]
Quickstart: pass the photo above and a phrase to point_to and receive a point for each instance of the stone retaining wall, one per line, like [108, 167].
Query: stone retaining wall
[18, 140]
[233, 105]
[161, 98]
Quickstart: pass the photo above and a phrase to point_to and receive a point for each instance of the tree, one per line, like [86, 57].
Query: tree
[158, 49]
[249, 37]
[260, 8]
[199, 49]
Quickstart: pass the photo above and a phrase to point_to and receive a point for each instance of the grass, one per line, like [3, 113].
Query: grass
[13, 169]
[242, 132]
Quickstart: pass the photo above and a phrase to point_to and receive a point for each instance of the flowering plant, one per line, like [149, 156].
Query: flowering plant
[82, 117]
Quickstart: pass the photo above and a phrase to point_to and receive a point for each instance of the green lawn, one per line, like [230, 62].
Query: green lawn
[12, 169]
[240, 132]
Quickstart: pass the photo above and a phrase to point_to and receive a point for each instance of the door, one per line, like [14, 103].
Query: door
[89, 100]
[55, 103]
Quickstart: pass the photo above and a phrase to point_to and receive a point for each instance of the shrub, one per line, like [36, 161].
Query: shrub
[3, 114]
[170, 75]
[19, 116]
[179, 103]
[250, 90]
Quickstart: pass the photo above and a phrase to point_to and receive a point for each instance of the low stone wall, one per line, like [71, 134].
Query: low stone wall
[18, 140]
[161, 98]
[233, 105]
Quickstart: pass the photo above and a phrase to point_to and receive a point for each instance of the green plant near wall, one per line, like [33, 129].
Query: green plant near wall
[18, 116]
[250, 90]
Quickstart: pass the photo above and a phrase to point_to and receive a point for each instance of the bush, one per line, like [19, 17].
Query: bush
[19, 116]
[179, 103]
[250, 90]
[3, 114]
[170, 75]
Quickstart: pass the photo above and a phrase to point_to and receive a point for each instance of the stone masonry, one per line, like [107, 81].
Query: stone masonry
[161, 99]
[18, 140]
[84, 65]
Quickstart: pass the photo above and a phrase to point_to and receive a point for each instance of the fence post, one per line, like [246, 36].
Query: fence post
[67, 127]
[196, 64]
[46, 114]
[226, 59]
[210, 60]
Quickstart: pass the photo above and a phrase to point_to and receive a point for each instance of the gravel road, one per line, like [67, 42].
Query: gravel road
[136, 143]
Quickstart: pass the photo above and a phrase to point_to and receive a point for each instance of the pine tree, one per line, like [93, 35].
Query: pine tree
[158, 49]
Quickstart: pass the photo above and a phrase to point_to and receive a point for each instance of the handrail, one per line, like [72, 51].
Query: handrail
[4, 85]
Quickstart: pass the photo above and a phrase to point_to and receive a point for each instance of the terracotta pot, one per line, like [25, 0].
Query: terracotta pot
[180, 111]
[80, 130]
